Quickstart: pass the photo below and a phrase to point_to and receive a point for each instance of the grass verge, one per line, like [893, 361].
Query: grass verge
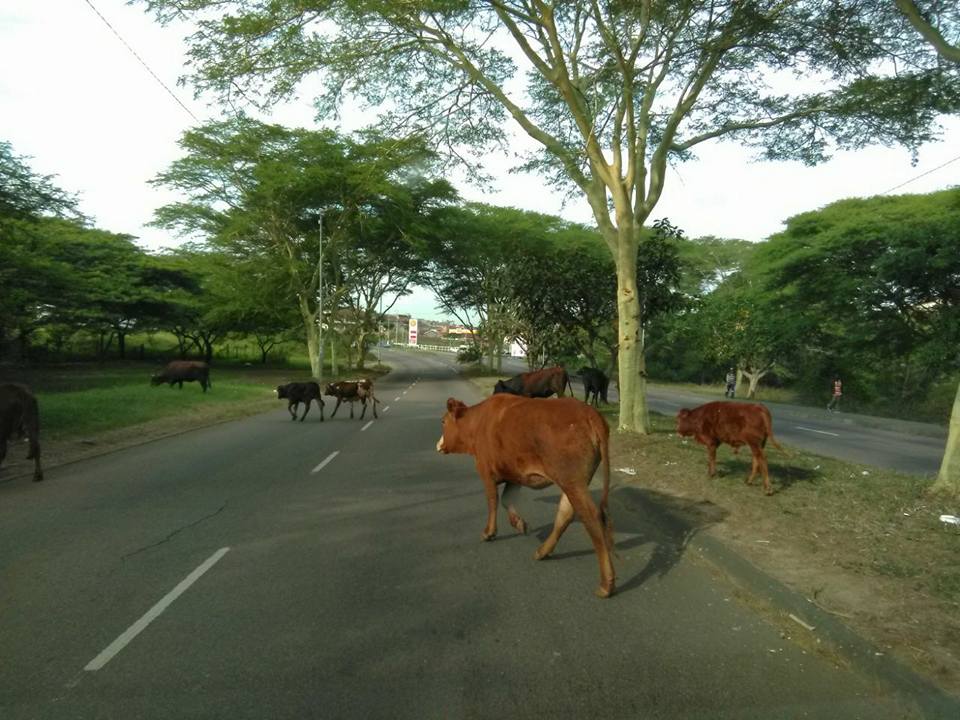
[861, 542]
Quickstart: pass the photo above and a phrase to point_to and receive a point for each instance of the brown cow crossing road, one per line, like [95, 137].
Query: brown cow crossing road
[352, 590]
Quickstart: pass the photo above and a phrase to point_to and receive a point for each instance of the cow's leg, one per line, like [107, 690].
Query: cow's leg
[320, 402]
[35, 454]
[490, 486]
[306, 409]
[351, 409]
[364, 411]
[590, 517]
[560, 523]
[509, 493]
[711, 459]
[753, 466]
[373, 401]
[3, 445]
[291, 408]
[760, 463]
[334, 413]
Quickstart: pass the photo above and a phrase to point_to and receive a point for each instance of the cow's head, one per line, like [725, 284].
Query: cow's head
[500, 387]
[685, 425]
[281, 391]
[157, 379]
[450, 441]
[330, 389]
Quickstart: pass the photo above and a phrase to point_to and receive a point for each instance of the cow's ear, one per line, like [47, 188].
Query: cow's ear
[455, 407]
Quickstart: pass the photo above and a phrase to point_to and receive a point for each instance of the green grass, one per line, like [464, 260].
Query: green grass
[82, 400]
[124, 403]
[764, 394]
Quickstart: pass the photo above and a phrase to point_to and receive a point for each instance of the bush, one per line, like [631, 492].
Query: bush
[469, 354]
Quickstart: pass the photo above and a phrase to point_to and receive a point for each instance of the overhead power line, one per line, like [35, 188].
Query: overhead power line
[141, 60]
[907, 182]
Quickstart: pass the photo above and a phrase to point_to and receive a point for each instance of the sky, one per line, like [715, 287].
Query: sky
[77, 102]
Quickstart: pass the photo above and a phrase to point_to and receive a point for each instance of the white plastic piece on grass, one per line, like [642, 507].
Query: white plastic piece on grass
[627, 471]
[950, 520]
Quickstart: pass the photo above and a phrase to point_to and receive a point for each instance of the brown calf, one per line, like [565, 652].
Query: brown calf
[535, 442]
[735, 424]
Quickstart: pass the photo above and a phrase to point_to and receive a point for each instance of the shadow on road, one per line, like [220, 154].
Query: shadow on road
[649, 517]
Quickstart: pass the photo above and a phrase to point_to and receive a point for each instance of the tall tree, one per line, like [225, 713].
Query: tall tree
[258, 192]
[615, 90]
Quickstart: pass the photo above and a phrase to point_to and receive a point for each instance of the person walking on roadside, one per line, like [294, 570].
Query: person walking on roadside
[731, 379]
[834, 403]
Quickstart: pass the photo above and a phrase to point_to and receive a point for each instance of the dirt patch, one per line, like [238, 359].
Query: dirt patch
[863, 544]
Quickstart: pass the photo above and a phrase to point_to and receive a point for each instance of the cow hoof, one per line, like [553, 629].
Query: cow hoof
[38, 478]
[540, 554]
[603, 592]
[768, 492]
[487, 537]
[519, 524]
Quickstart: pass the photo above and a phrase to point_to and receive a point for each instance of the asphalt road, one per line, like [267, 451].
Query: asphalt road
[909, 447]
[270, 569]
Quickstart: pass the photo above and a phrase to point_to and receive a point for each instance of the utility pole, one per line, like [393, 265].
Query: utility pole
[320, 300]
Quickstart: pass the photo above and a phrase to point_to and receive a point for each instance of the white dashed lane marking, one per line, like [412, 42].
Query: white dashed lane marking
[822, 432]
[153, 613]
[326, 460]
[369, 423]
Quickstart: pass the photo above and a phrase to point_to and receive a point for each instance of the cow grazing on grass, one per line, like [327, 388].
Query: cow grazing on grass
[735, 424]
[300, 392]
[595, 383]
[534, 442]
[19, 415]
[180, 371]
[537, 384]
[351, 392]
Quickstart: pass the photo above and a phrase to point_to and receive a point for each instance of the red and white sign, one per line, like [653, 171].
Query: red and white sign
[412, 336]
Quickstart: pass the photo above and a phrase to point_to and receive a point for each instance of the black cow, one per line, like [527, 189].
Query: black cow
[300, 392]
[180, 371]
[20, 415]
[351, 391]
[595, 383]
[536, 384]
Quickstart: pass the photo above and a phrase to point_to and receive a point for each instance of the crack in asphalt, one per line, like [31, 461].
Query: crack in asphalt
[177, 531]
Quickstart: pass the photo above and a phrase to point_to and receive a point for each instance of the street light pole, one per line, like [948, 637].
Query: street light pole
[320, 300]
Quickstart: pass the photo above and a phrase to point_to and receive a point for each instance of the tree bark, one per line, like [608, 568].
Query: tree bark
[948, 479]
[633, 401]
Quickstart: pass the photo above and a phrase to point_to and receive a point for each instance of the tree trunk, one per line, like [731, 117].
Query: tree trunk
[633, 403]
[313, 336]
[122, 344]
[948, 479]
[333, 356]
[361, 355]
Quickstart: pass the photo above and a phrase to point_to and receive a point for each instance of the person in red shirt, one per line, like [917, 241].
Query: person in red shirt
[834, 403]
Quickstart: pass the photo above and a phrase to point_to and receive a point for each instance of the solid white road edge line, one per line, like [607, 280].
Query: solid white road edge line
[369, 423]
[322, 465]
[153, 613]
[822, 432]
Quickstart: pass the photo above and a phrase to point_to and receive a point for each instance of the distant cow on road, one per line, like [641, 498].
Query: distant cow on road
[735, 424]
[595, 383]
[300, 392]
[180, 371]
[351, 392]
[537, 384]
[19, 415]
[534, 442]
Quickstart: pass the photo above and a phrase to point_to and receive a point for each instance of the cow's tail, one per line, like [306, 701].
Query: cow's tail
[603, 440]
[768, 422]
